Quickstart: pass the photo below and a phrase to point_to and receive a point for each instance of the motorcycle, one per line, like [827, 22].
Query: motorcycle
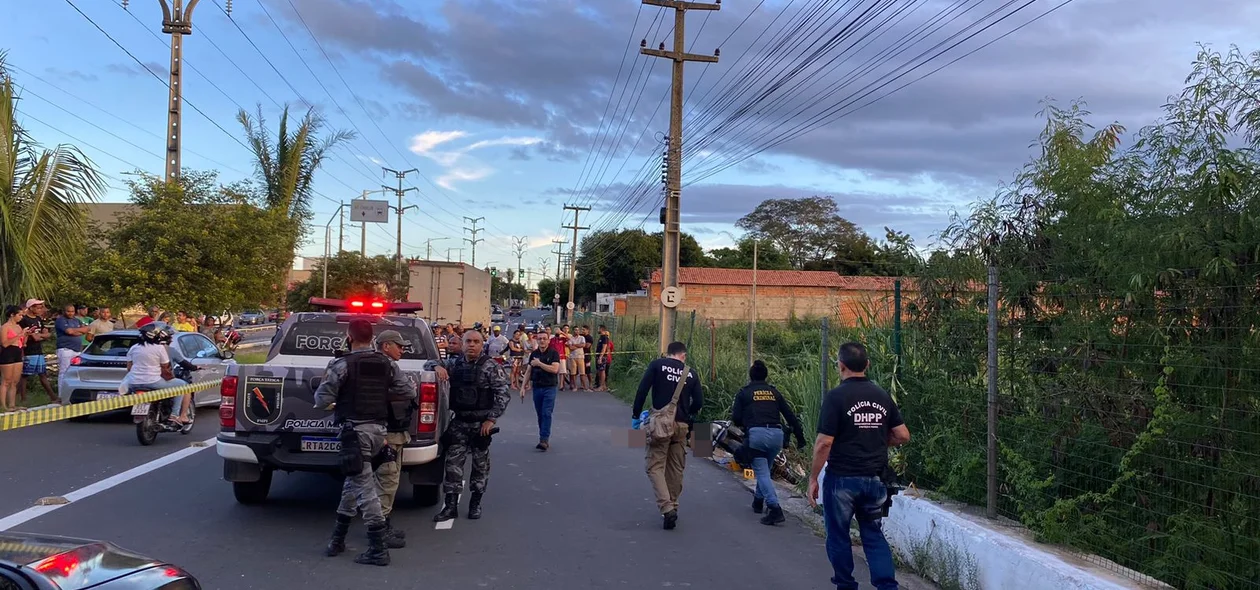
[226, 339]
[155, 417]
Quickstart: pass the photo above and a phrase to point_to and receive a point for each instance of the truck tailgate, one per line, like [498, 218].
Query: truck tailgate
[277, 403]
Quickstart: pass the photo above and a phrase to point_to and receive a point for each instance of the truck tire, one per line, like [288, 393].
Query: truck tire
[426, 495]
[253, 492]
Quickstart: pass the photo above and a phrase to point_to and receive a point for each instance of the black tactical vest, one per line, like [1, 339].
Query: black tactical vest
[365, 393]
[466, 396]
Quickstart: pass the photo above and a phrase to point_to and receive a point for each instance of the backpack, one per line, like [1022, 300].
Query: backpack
[660, 423]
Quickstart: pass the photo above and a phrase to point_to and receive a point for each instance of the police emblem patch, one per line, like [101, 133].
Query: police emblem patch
[264, 397]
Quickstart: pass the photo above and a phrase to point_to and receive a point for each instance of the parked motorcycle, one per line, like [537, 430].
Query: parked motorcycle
[155, 417]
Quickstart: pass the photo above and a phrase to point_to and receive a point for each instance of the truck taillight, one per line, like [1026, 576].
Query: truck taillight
[227, 403]
[428, 408]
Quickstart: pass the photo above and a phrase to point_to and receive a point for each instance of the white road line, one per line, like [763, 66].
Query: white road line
[445, 524]
[18, 518]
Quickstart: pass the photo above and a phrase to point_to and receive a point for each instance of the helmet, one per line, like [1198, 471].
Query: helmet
[477, 326]
[156, 333]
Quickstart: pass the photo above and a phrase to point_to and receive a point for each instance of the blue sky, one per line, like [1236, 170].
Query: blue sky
[499, 105]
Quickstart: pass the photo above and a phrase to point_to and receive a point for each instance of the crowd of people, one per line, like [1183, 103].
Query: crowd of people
[28, 328]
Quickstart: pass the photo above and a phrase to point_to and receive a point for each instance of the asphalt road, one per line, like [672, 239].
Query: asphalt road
[579, 516]
[55, 458]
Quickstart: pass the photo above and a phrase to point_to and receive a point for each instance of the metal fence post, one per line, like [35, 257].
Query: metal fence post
[691, 331]
[712, 350]
[634, 328]
[897, 326]
[991, 504]
[823, 370]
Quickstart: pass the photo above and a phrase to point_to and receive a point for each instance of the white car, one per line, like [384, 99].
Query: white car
[496, 315]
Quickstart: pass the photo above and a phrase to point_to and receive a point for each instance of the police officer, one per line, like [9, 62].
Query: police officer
[756, 410]
[357, 387]
[479, 396]
[392, 345]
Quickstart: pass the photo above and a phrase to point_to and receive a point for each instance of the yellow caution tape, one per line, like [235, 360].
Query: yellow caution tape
[15, 420]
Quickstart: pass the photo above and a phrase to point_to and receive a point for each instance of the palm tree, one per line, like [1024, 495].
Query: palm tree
[42, 193]
[287, 166]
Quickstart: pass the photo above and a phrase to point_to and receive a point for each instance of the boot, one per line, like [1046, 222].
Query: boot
[474, 506]
[394, 538]
[450, 510]
[773, 516]
[377, 553]
[337, 543]
[758, 504]
[670, 520]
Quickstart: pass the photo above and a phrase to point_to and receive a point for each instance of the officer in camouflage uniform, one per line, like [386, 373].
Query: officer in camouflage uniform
[357, 386]
[479, 396]
[392, 345]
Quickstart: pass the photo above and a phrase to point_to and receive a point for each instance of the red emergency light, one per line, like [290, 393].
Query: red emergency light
[367, 305]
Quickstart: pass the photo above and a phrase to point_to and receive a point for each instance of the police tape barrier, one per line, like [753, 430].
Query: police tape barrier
[15, 420]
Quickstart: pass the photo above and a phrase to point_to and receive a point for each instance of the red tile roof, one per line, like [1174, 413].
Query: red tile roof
[780, 278]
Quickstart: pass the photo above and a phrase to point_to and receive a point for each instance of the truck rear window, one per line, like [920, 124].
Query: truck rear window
[326, 338]
[111, 345]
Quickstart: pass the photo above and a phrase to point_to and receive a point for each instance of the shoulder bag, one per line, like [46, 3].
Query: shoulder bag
[661, 422]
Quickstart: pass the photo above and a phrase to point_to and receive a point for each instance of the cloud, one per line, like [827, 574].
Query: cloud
[547, 70]
[459, 166]
[134, 70]
[73, 75]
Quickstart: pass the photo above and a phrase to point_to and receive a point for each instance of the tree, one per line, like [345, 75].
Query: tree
[769, 257]
[501, 288]
[350, 275]
[615, 261]
[192, 246]
[547, 290]
[286, 168]
[42, 193]
[811, 233]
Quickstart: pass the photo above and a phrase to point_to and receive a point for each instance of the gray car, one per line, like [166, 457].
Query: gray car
[97, 372]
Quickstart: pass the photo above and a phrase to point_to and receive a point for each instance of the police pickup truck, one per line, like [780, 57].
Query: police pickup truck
[268, 419]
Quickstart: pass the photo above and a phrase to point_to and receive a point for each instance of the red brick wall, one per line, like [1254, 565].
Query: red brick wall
[724, 303]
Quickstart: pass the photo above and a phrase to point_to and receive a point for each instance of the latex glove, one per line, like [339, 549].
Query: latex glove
[635, 423]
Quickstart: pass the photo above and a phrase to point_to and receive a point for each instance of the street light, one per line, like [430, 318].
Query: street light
[327, 243]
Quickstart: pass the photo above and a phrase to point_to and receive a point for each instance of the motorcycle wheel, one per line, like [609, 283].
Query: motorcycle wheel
[146, 430]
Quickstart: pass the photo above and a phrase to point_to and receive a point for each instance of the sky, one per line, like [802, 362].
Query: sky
[508, 110]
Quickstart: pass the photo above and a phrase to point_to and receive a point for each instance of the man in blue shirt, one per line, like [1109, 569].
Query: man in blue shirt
[70, 331]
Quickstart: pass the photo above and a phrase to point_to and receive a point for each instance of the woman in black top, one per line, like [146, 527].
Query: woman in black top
[756, 410]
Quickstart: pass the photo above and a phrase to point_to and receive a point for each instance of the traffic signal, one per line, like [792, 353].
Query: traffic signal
[494, 271]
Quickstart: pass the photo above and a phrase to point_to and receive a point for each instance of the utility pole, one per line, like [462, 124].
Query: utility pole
[519, 247]
[556, 299]
[428, 249]
[400, 209]
[573, 255]
[176, 22]
[474, 239]
[341, 228]
[669, 254]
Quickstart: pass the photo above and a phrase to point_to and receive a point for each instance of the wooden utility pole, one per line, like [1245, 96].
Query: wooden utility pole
[672, 238]
[399, 192]
[573, 256]
[555, 301]
[176, 22]
[474, 239]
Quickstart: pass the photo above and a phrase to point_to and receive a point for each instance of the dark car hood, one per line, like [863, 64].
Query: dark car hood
[71, 563]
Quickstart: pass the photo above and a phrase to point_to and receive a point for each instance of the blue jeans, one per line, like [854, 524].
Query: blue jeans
[770, 442]
[544, 403]
[844, 498]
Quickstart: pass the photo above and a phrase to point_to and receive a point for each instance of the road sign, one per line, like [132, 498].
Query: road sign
[671, 297]
[569, 306]
[363, 210]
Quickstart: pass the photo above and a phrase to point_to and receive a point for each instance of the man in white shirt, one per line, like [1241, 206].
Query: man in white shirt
[577, 362]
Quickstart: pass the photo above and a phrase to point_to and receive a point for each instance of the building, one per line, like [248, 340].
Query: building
[726, 295]
[450, 291]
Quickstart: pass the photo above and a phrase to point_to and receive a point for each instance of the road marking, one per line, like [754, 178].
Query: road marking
[445, 525]
[23, 516]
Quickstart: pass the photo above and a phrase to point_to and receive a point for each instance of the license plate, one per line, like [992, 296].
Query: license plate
[321, 445]
[140, 410]
[104, 395]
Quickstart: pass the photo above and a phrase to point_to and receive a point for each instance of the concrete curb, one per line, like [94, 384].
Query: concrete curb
[794, 504]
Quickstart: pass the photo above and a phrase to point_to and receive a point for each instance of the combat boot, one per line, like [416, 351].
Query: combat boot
[773, 516]
[377, 553]
[337, 543]
[758, 504]
[450, 510]
[474, 506]
[394, 538]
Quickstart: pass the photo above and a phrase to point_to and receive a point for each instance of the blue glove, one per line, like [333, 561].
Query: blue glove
[635, 423]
